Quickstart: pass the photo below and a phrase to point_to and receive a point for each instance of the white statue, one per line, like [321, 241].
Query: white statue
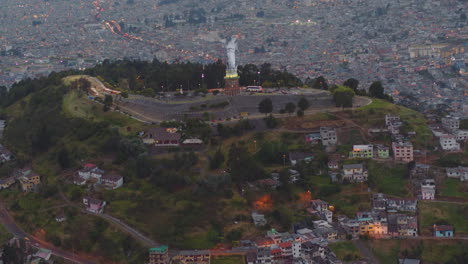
[231, 48]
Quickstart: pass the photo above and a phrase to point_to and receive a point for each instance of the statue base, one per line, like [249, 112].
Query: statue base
[231, 86]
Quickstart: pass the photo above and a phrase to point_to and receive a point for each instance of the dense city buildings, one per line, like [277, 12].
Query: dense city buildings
[421, 62]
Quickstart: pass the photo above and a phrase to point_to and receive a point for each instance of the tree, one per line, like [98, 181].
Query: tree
[271, 121]
[376, 90]
[343, 96]
[217, 160]
[290, 108]
[303, 104]
[63, 158]
[352, 83]
[300, 113]
[320, 83]
[265, 106]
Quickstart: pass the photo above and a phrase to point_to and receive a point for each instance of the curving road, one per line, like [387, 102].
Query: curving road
[7, 221]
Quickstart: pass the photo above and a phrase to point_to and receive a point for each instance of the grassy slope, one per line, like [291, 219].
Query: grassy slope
[228, 260]
[31, 210]
[79, 106]
[390, 181]
[453, 188]
[429, 251]
[374, 115]
[345, 250]
[454, 214]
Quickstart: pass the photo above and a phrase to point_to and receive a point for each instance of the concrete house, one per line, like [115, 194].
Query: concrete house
[383, 152]
[94, 205]
[403, 151]
[112, 181]
[362, 151]
[443, 231]
[354, 173]
[428, 189]
[449, 143]
[161, 136]
[458, 172]
[329, 136]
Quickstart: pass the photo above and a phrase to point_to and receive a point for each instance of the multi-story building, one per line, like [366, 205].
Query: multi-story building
[393, 123]
[29, 181]
[354, 173]
[383, 152]
[428, 189]
[362, 151]
[449, 143]
[329, 136]
[322, 209]
[461, 135]
[194, 257]
[451, 123]
[374, 228]
[159, 255]
[403, 151]
[458, 172]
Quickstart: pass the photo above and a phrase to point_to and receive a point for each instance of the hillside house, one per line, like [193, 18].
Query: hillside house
[258, 219]
[354, 173]
[333, 161]
[295, 157]
[30, 181]
[322, 209]
[362, 151]
[94, 205]
[449, 143]
[112, 181]
[159, 255]
[329, 136]
[91, 170]
[7, 182]
[60, 217]
[443, 230]
[194, 256]
[450, 123]
[461, 135]
[458, 172]
[162, 137]
[313, 138]
[5, 154]
[383, 152]
[393, 124]
[403, 151]
[428, 189]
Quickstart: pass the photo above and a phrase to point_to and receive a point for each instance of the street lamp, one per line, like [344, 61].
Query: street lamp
[258, 78]
[284, 160]
[255, 145]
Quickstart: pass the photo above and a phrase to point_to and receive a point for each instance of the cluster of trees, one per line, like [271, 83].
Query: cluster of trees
[148, 78]
[237, 130]
[266, 107]
[136, 76]
[251, 74]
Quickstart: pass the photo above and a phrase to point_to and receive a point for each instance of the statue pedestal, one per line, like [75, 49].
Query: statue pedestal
[231, 86]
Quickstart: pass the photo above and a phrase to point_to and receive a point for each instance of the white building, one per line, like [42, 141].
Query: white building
[329, 136]
[451, 123]
[458, 172]
[461, 135]
[428, 189]
[449, 143]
